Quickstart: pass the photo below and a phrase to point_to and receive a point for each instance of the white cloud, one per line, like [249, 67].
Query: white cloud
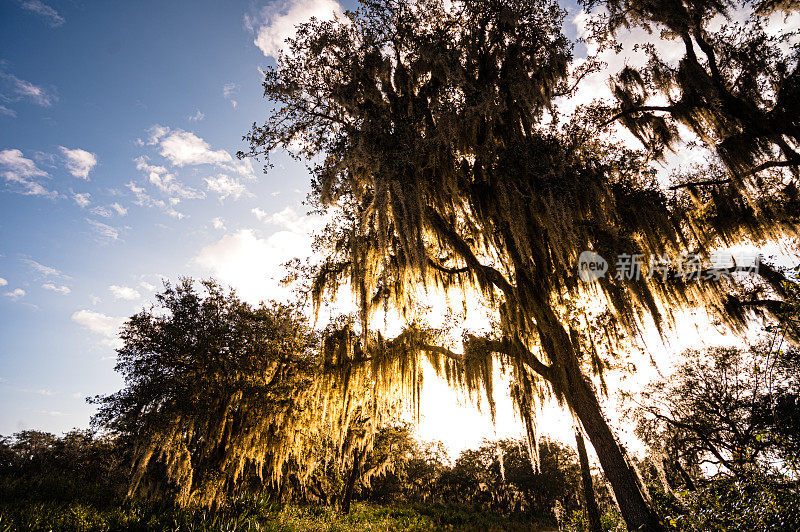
[259, 213]
[27, 90]
[144, 200]
[291, 220]
[226, 186]
[94, 299]
[50, 15]
[79, 162]
[15, 161]
[105, 233]
[63, 290]
[83, 200]
[147, 286]
[278, 24]
[15, 294]
[7, 112]
[166, 182]
[3, 282]
[44, 271]
[156, 133]
[229, 91]
[218, 223]
[124, 292]
[106, 326]
[253, 265]
[102, 211]
[182, 148]
[122, 211]
[22, 171]
[198, 116]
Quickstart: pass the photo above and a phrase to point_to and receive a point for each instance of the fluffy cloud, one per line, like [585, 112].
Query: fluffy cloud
[83, 200]
[51, 16]
[276, 24]
[166, 182]
[22, 172]
[106, 326]
[124, 292]
[145, 200]
[15, 294]
[3, 282]
[182, 148]
[156, 133]
[253, 265]
[147, 286]
[290, 220]
[226, 187]
[79, 162]
[218, 223]
[122, 211]
[259, 213]
[63, 290]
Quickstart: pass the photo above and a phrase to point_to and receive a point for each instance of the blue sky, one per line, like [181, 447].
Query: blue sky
[118, 126]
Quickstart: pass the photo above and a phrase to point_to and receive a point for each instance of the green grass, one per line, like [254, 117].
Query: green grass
[82, 517]
[59, 504]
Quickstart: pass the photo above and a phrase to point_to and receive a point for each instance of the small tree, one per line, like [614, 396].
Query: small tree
[217, 392]
[728, 407]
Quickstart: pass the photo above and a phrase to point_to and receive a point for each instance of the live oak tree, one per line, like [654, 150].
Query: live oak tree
[727, 407]
[424, 122]
[222, 396]
[216, 392]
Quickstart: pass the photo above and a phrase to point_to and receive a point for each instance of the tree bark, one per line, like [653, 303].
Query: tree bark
[358, 460]
[632, 499]
[592, 510]
[687, 480]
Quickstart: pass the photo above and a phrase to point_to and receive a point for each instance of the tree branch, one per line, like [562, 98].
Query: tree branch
[512, 348]
[463, 250]
[701, 183]
[640, 109]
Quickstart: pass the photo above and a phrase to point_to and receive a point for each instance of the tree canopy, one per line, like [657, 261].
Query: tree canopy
[221, 396]
[426, 122]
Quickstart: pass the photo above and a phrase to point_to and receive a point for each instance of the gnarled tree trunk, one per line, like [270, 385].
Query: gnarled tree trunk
[567, 377]
[355, 472]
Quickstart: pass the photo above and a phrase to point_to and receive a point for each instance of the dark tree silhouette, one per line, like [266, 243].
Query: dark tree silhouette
[727, 407]
[737, 86]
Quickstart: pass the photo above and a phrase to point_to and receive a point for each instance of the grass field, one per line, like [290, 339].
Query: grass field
[249, 516]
